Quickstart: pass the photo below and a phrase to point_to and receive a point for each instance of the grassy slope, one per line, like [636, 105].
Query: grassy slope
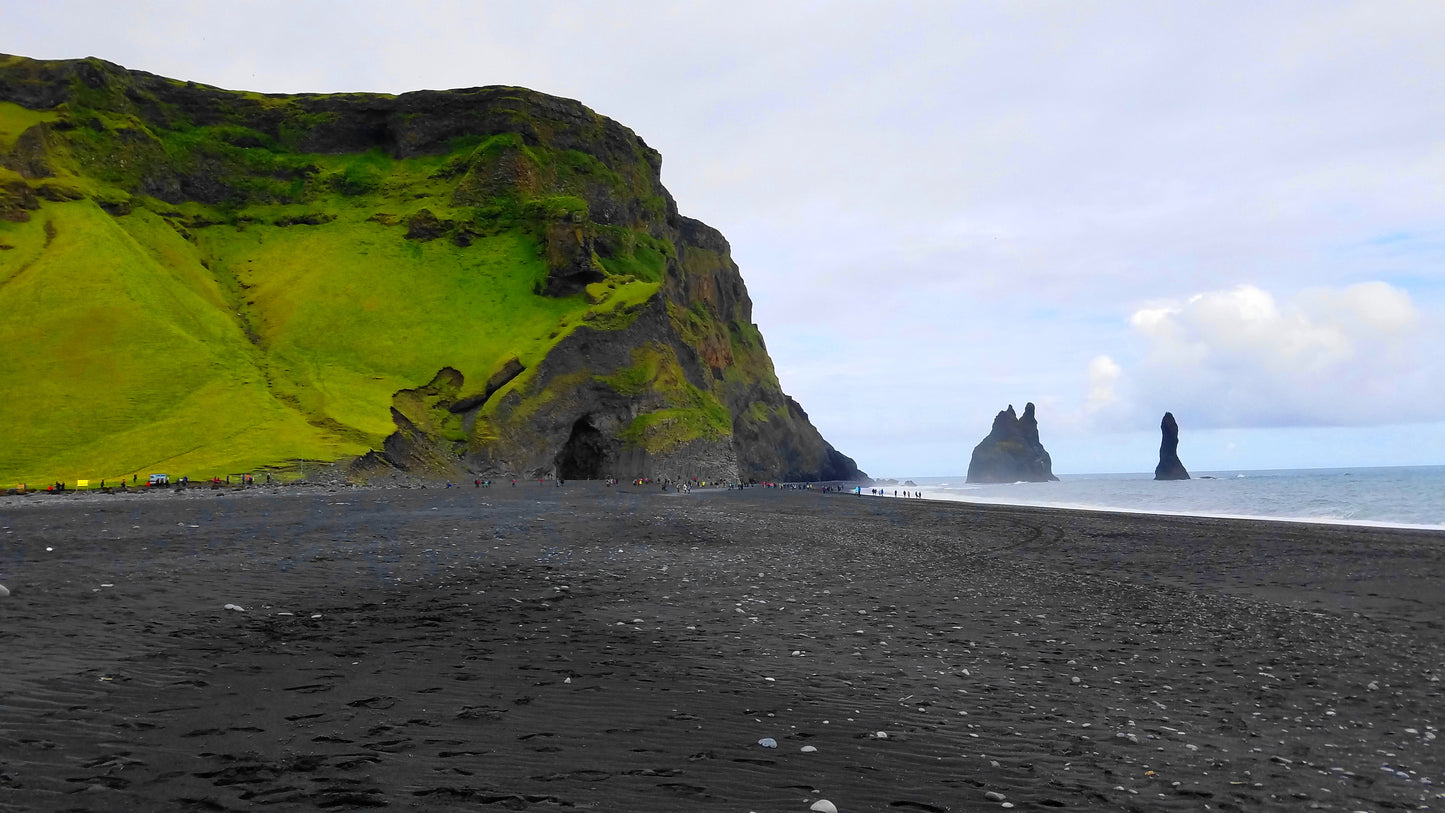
[124, 362]
[351, 313]
[15, 120]
[251, 343]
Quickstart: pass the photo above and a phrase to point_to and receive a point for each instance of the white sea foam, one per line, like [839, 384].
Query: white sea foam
[1408, 497]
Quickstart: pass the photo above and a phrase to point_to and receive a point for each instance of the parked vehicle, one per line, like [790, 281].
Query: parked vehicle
[159, 480]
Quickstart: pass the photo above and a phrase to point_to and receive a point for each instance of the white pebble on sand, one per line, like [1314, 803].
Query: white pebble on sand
[824, 806]
[768, 742]
[236, 608]
[4, 591]
[808, 749]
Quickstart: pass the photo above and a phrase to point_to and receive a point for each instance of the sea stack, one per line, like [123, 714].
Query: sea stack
[1012, 451]
[1169, 467]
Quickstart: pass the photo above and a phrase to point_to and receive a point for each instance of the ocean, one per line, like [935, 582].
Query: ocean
[1411, 496]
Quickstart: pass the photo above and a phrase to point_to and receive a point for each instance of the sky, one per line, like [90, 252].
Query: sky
[1231, 211]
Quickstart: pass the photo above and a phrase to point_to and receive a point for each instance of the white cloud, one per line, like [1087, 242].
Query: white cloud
[1356, 355]
[1104, 376]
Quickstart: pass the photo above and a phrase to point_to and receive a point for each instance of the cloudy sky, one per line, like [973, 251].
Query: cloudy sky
[1232, 211]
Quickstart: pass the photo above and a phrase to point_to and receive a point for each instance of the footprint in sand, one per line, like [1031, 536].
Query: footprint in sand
[384, 702]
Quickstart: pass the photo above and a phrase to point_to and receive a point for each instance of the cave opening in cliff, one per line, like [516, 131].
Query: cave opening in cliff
[584, 455]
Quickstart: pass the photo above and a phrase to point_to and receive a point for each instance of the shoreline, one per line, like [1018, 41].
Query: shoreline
[1331, 521]
[617, 649]
[39, 498]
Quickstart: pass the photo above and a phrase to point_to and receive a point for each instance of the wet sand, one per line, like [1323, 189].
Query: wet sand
[616, 649]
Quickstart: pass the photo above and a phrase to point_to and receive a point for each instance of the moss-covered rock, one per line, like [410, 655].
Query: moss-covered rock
[580, 323]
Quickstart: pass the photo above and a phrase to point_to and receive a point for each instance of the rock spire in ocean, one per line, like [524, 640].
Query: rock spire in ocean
[1169, 467]
[1012, 451]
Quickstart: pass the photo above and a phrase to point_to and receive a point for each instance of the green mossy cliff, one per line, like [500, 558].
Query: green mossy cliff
[489, 281]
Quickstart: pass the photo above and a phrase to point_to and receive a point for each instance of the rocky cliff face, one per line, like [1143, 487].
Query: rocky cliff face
[1169, 467]
[1012, 451]
[487, 280]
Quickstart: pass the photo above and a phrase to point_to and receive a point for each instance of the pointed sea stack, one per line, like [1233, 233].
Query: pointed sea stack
[1169, 467]
[1011, 452]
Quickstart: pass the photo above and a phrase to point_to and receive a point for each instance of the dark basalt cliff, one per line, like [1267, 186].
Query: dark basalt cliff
[1012, 452]
[489, 280]
[1169, 467]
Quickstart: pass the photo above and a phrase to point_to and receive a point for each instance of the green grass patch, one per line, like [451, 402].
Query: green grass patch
[759, 412]
[690, 413]
[353, 312]
[26, 241]
[665, 429]
[15, 120]
[628, 252]
[124, 362]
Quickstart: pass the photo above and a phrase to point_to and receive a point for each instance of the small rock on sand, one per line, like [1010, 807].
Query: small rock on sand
[236, 608]
[768, 742]
[824, 806]
[4, 591]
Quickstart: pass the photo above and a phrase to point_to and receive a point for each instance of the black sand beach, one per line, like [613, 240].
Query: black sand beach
[617, 649]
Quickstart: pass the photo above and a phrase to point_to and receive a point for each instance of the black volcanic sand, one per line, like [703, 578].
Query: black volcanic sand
[615, 649]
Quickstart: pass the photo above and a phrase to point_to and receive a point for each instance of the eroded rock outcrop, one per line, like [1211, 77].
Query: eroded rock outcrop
[1012, 451]
[575, 322]
[1169, 467]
